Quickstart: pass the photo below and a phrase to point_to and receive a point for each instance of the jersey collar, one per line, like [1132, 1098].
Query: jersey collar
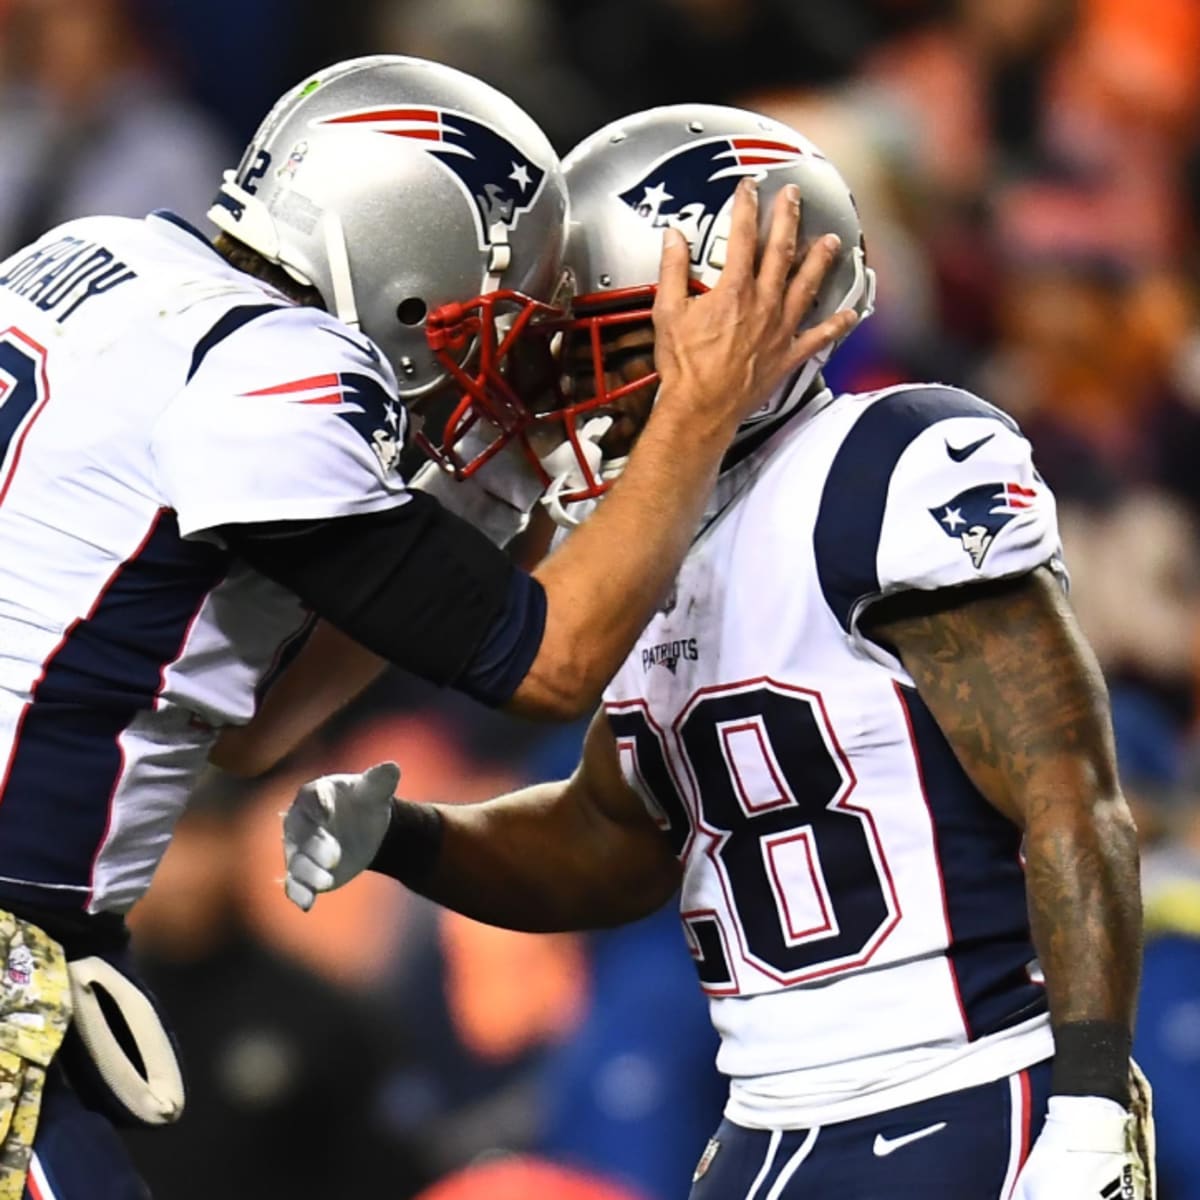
[167, 217]
[793, 413]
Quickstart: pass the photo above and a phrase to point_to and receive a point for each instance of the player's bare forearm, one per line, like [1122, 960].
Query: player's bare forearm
[1019, 696]
[540, 861]
[325, 676]
[580, 854]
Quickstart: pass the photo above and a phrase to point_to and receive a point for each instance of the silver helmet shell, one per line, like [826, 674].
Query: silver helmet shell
[395, 186]
[679, 166]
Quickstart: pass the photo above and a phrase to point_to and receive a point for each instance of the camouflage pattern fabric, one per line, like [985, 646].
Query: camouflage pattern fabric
[1141, 1105]
[35, 1010]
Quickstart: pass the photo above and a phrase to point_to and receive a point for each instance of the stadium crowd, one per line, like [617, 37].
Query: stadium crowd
[1029, 178]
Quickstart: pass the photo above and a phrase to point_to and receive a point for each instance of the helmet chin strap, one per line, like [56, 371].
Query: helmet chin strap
[499, 257]
[344, 307]
[565, 475]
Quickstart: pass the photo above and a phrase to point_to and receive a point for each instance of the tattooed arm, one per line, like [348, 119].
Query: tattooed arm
[1018, 694]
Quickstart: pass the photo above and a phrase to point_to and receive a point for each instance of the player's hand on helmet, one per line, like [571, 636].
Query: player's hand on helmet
[725, 351]
[1086, 1151]
[333, 830]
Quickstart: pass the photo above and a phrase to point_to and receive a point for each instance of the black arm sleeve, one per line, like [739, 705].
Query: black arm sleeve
[416, 584]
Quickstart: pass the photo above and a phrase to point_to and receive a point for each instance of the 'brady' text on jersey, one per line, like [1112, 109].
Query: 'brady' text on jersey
[65, 273]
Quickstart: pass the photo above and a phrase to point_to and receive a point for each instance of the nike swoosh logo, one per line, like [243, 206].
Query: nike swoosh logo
[962, 453]
[885, 1146]
[368, 350]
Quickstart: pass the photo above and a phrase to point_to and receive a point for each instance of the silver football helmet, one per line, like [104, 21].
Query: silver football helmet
[680, 166]
[425, 207]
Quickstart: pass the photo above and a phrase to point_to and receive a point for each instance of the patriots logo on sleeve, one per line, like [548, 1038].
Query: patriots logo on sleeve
[362, 402]
[688, 188]
[977, 515]
[501, 180]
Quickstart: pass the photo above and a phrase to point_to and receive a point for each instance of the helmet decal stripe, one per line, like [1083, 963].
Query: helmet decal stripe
[743, 143]
[500, 179]
[380, 116]
[751, 160]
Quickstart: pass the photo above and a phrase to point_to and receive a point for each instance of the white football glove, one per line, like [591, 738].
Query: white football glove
[333, 830]
[1086, 1151]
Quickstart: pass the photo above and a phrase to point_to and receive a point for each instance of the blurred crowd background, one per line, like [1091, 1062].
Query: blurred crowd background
[1029, 178]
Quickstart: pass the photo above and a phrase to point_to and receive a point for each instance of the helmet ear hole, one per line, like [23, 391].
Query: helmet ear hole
[411, 311]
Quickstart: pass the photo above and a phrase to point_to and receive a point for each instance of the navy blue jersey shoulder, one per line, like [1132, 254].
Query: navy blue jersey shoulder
[171, 218]
[850, 517]
[234, 319]
[229, 324]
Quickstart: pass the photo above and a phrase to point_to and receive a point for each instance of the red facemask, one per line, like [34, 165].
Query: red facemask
[516, 386]
[507, 365]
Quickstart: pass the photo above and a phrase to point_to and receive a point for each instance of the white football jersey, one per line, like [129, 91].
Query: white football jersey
[149, 393]
[855, 907]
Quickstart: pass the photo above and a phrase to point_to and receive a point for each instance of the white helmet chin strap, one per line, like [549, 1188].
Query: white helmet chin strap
[499, 257]
[565, 475]
[254, 226]
[344, 307]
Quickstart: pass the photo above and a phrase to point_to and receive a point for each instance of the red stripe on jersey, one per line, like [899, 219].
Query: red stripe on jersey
[1027, 1116]
[332, 398]
[297, 385]
[1025, 1119]
[1022, 491]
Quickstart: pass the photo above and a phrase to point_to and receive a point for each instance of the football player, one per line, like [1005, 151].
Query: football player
[199, 450]
[862, 736]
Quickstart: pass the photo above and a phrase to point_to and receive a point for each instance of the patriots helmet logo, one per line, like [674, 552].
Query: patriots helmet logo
[501, 181]
[688, 188]
[977, 515]
[359, 400]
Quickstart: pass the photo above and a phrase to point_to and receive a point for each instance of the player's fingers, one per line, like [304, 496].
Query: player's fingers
[743, 236]
[301, 896]
[819, 341]
[381, 779]
[802, 291]
[323, 848]
[299, 825]
[779, 253]
[325, 791]
[304, 871]
[672, 274]
[307, 800]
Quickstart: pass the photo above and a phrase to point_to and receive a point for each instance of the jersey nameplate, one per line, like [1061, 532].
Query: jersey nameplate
[65, 274]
